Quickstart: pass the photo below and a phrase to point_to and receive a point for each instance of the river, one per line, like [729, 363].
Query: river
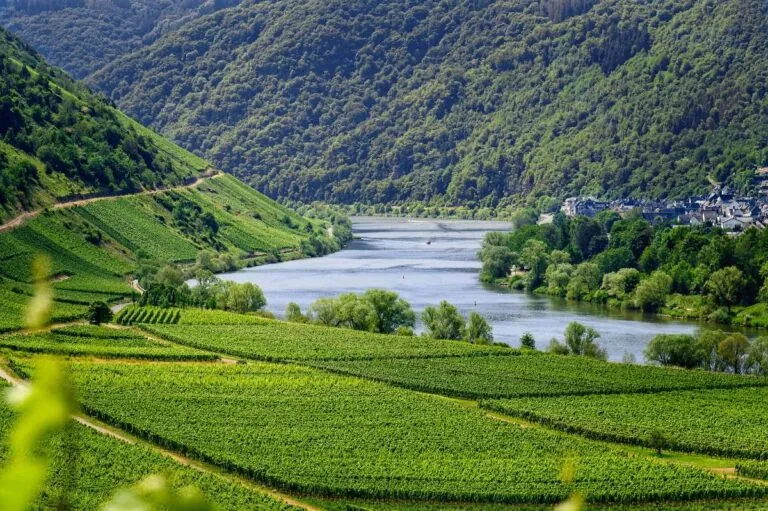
[426, 261]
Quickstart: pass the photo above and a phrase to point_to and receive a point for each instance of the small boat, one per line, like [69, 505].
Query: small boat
[429, 242]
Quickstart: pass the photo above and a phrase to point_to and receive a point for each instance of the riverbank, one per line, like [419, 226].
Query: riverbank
[426, 261]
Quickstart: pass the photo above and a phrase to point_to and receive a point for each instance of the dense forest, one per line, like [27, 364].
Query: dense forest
[57, 139]
[82, 36]
[474, 103]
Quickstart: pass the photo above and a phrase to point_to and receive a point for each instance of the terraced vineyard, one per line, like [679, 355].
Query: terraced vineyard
[131, 223]
[14, 307]
[134, 314]
[730, 422]
[277, 340]
[303, 430]
[100, 342]
[105, 465]
[532, 375]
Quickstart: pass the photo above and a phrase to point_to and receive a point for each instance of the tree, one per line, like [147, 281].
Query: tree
[242, 298]
[98, 313]
[169, 276]
[580, 340]
[323, 311]
[651, 293]
[757, 360]
[497, 261]
[725, 286]
[528, 341]
[673, 350]
[707, 342]
[534, 257]
[478, 330]
[293, 313]
[392, 311]
[733, 352]
[657, 441]
[443, 321]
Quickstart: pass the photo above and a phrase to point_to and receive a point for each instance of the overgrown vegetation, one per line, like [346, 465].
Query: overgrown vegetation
[470, 104]
[697, 272]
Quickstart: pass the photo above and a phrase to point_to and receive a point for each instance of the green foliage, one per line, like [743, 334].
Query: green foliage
[651, 293]
[726, 285]
[293, 313]
[45, 408]
[510, 374]
[264, 339]
[95, 341]
[674, 350]
[579, 341]
[105, 464]
[415, 101]
[657, 441]
[385, 456]
[98, 313]
[444, 322]
[478, 330]
[719, 422]
[528, 341]
[66, 141]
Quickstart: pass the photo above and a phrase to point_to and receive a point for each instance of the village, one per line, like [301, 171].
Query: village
[722, 207]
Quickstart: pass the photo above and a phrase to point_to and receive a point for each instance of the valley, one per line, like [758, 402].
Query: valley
[229, 280]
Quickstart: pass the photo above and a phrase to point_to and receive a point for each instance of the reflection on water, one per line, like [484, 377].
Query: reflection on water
[431, 260]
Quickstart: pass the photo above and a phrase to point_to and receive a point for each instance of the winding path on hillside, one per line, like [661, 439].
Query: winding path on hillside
[21, 219]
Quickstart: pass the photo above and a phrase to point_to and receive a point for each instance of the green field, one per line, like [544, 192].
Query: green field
[278, 340]
[754, 469]
[730, 422]
[532, 375]
[131, 221]
[303, 430]
[100, 342]
[14, 307]
[105, 465]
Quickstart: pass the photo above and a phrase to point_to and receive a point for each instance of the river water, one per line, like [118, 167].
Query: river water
[426, 261]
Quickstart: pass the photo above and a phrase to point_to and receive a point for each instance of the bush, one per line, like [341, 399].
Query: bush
[528, 341]
[98, 313]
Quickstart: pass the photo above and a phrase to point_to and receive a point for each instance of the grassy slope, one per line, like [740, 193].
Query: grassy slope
[325, 433]
[105, 465]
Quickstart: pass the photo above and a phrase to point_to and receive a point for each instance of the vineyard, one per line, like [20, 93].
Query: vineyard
[753, 469]
[531, 375]
[303, 430]
[14, 307]
[276, 340]
[151, 315]
[729, 422]
[132, 223]
[101, 342]
[105, 465]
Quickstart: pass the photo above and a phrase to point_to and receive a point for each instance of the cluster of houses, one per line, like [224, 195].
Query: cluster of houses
[722, 208]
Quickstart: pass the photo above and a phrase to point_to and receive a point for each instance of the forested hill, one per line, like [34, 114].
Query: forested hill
[58, 140]
[470, 102]
[82, 36]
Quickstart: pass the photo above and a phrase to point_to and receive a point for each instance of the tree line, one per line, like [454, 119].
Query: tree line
[631, 263]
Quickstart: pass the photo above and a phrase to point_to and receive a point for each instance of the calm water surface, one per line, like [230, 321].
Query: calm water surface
[430, 260]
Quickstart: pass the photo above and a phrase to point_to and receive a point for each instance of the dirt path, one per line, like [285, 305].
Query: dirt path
[122, 436]
[22, 218]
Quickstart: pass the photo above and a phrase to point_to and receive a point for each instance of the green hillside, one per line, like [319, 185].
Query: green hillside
[115, 27]
[460, 102]
[143, 200]
[59, 141]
